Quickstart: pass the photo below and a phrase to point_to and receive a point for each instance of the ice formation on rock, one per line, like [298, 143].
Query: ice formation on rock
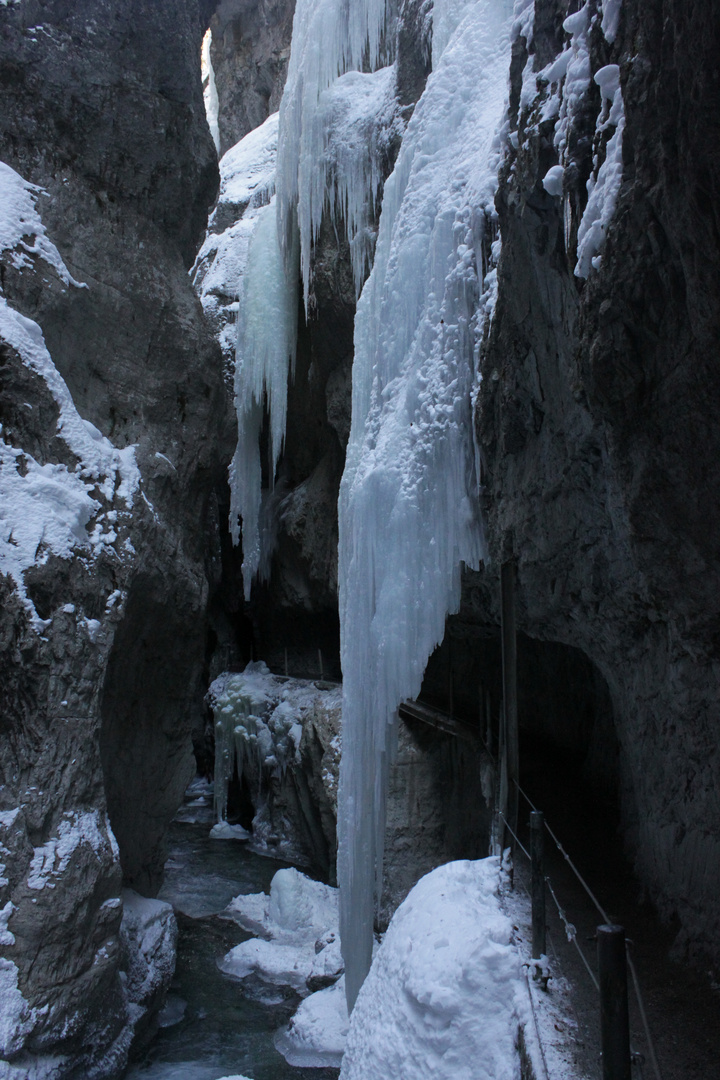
[210, 95]
[267, 335]
[560, 90]
[408, 503]
[330, 38]
[247, 184]
[249, 293]
[328, 161]
[258, 726]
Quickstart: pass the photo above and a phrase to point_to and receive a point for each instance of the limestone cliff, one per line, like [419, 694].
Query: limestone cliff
[103, 634]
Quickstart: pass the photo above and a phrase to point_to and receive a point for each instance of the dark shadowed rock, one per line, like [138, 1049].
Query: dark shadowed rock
[597, 423]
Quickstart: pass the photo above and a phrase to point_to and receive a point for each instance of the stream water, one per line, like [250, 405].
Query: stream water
[215, 1025]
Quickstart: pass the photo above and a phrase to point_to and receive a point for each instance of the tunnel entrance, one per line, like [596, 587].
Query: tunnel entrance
[569, 753]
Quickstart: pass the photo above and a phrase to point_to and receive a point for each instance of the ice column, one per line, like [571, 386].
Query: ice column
[408, 502]
[267, 333]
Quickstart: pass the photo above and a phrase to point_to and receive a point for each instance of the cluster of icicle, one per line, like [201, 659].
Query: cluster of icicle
[267, 335]
[330, 38]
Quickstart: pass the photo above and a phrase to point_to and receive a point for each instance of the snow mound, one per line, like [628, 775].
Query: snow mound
[223, 831]
[297, 911]
[270, 961]
[443, 998]
[316, 1035]
[298, 924]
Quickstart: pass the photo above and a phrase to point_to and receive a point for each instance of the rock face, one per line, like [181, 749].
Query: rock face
[249, 52]
[596, 418]
[102, 642]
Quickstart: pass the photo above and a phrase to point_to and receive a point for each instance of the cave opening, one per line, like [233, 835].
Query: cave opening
[569, 752]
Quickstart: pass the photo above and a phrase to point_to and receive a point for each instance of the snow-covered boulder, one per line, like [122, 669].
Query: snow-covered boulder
[148, 938]
[443, 999]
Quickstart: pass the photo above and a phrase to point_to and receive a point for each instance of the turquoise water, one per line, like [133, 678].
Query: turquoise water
[226, 1027]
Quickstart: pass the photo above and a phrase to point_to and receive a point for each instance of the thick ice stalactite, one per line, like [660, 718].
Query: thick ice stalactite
[267, 333]
[327, 160]
[408, 510]
[330, 38]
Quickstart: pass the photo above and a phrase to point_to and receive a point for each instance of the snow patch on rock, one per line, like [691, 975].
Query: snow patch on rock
[51, 508]
[76, 829]
[606, 179]
[148, 936]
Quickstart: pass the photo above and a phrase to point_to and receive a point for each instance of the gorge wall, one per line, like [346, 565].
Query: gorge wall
[594, 419]
[103, 623]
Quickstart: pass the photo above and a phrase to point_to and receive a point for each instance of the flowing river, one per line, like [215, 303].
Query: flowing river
[215, 1026]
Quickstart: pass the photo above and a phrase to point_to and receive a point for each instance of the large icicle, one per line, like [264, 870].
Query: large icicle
[267, 333]
[330, 37]
[408, 509]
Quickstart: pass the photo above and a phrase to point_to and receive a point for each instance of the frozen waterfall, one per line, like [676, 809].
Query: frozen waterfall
[409, 516]
[408, 507]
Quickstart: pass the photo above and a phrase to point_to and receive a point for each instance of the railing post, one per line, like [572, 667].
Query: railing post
[509, 676]
[614, 1019]
[537, 854]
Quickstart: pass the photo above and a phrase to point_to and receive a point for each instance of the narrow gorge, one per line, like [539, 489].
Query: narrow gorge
[318, 320]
